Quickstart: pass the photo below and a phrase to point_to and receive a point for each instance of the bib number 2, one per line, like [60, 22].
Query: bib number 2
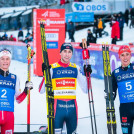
[4, 92]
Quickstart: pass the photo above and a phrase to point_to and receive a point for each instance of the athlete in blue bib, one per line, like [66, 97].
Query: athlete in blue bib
[123, 79]
[9, 89]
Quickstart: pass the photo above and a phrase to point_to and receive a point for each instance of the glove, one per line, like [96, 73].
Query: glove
[87, 69]
[28, 85]
[44, 67]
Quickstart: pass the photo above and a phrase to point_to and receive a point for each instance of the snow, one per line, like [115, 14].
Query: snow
[38, 101]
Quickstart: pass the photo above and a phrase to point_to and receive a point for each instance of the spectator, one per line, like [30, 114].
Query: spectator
[126, 15]
[115, 16]
[100, 27]
[14, 38]
[5, 36]
[90, 37]
[115, 32]
[121, 21]
[131, 17]
[20, 35]
[95, 28]
[28, 38]
[11, 38]
[71, 30]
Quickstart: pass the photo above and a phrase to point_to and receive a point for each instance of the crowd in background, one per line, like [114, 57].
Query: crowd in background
[116, 22]
[20, 37]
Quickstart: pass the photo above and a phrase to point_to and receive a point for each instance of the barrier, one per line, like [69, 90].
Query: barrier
[18, 50]
[96, 60]
[19, 53]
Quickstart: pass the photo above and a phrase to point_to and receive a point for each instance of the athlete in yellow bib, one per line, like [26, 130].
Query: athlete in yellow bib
[64, 79]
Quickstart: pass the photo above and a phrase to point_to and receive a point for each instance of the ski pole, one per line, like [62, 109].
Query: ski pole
[86, 56]
[29, 56]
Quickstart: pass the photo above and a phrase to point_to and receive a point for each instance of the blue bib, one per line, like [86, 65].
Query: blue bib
[7, 92]
[125, 83]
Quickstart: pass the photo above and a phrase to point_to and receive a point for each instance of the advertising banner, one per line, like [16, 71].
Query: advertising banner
[18, 50]
[96, 7]
[96, 59]
[80, 17]
[55, 35]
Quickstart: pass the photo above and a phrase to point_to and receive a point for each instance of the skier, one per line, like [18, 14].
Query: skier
[9, 88]
[123, 79]
[64, 78]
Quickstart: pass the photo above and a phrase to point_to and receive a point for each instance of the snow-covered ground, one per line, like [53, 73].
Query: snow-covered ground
[38, 101]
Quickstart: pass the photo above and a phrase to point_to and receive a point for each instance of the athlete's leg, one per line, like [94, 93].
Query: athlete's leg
[8, 126]
[126, 118]
[59, 117]
[71, 119]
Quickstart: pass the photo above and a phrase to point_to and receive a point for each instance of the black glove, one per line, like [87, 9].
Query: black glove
[44, 67]
[87, 69]
[28, 85]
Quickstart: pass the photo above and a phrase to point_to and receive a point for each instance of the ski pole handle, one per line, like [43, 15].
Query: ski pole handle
[85, 54]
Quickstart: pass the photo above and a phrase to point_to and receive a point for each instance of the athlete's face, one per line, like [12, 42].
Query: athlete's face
[5, 63]
[66, 55]
[125, 59]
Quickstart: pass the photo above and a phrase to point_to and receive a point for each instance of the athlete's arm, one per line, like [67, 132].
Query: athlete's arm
[82, 81]
[18, 95]
[42, 84]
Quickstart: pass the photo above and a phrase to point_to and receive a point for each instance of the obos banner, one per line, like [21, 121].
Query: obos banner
[101, 7]
[55, 35]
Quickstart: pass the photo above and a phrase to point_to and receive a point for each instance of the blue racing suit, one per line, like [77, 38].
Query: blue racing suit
[123, 79]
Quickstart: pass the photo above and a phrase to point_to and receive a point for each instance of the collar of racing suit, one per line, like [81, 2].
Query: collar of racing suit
[63, 64]
[4, 73]
[126, 68]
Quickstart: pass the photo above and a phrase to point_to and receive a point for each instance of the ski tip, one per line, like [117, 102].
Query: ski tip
[42, 21]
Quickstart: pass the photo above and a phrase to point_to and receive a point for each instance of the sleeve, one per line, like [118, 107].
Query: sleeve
[82, 80]
[114, 85]
[42, 84]
[18, 95]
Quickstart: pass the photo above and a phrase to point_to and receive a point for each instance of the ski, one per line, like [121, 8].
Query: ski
[30, 54]
[110, 110]
[48, 82]
[86, 56]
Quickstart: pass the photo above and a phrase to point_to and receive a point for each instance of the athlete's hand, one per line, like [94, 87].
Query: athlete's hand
[44, 67]
[28, 86]
[87, 69]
